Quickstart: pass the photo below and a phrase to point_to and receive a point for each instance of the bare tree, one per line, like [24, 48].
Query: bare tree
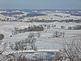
[72, 50]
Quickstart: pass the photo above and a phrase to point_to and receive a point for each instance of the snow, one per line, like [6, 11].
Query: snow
[45, 40]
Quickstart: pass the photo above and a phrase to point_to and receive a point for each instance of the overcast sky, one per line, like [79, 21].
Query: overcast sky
[40, 4]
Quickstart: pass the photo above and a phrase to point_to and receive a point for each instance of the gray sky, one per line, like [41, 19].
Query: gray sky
[40, 4]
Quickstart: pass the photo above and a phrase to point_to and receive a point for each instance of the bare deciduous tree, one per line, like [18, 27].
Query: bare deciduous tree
[72, 50]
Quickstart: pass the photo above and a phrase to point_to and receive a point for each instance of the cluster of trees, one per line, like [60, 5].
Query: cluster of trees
[51, 20]
[27, 43]
[70, 20]
[58, 34]
[1, 36]
[70, 52]
[31, 28]
[36, 28]
[76, 27]
[43, 20]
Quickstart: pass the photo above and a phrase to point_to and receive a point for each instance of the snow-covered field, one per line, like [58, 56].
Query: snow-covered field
[25, 41]
[45, 41]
